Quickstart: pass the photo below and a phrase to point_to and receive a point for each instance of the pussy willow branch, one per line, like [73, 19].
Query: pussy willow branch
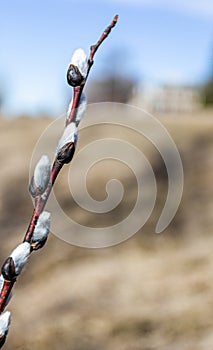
[63, 157]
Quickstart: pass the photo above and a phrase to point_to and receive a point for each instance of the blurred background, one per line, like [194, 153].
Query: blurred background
[152, 291]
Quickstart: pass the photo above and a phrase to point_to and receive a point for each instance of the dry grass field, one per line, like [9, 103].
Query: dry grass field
[150, 292]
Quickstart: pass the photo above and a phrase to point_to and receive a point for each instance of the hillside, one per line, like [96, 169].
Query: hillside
[150, 292]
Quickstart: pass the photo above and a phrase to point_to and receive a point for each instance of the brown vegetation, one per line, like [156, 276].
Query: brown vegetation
[151, 292]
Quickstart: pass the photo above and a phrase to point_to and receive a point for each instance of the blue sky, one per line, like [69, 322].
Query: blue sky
[164, 41]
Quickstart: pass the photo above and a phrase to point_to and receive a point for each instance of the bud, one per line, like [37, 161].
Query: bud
[2, 340]
[78, 67]
[70, 135]
[4, 326]
[66, 146]
[80, 109]
[79, 59]
[20, 255]
[66, 153]
[41, 231]
[74, 77]
[8, 269]
[41, 177]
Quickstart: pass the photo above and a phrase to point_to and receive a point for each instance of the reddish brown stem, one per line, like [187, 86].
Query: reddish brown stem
[5, 292]
[41, 201]
[32, 225]
[76, 99]
[104, 35]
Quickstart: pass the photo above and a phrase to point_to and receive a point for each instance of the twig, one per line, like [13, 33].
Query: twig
[44, 179]
[105, 34]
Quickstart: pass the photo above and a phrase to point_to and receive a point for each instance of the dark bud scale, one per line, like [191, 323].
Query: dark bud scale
[74, 76]
[2, 339]
[8, 269]
[38, 244]
[65, 154]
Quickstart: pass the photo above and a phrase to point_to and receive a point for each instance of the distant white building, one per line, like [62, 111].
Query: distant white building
[167, 99]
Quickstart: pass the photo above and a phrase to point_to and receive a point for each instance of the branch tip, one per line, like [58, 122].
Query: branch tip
[115, 19]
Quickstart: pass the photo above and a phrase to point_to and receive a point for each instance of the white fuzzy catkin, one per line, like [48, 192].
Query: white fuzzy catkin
[42, 227]
[70, 134]
[80, 110]
[79, 59]
[4, 323]
[20, 255]
[42, 173]
[1, 282]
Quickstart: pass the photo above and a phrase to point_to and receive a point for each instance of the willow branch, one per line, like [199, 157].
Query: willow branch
[44, 178]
